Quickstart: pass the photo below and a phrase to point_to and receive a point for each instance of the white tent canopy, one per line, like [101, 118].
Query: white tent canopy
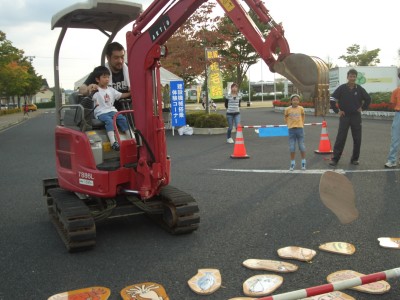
[166, 77]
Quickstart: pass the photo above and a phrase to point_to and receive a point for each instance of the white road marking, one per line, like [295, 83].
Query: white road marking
[315, 171]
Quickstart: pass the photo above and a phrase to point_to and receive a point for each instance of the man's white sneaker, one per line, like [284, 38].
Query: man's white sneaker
[389, 164]
[292, 166]
[230, 141]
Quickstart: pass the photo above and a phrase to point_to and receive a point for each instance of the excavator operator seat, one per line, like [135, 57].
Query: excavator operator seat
[88, 106]
[78, 114]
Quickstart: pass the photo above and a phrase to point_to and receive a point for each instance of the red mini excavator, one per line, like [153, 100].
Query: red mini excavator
[94, 182]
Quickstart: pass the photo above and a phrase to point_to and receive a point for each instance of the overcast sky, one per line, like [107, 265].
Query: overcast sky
[313, 27]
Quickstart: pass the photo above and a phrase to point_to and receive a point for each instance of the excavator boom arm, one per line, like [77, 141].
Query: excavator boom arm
[145, 47]
[309, 74]
[267, 47]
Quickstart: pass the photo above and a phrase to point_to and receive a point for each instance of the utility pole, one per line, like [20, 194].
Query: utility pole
[206, 80]
[30, 57]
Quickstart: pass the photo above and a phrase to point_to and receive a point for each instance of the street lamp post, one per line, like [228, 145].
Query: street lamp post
[30, 61]
[206, 80]
[262, 82]
[249, 99]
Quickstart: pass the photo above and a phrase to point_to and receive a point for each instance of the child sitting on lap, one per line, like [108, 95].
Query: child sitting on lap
[104, 100]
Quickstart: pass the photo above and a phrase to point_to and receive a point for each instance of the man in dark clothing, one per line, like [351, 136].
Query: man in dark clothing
[115, 53]
[349, 100]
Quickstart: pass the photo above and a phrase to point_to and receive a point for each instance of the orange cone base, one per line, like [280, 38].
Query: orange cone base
[241, 156]
[323, 152]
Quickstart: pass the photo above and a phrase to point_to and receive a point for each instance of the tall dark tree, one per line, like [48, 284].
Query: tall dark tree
[34, 81]
[186, 48]
[237, 54]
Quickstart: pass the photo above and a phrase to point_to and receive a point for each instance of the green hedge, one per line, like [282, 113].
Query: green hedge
[383, 97]
[379, 102]
[9, 111]
[204, 120]
[51, 104]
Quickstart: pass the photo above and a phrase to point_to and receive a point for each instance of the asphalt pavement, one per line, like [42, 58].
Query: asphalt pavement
[249, 208]
[10, 120]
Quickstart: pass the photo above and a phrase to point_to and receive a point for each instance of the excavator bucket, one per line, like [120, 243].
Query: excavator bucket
[310, 75]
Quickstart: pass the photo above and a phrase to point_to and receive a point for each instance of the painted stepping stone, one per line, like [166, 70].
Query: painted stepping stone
[387, 242]
[331, 296]
[206, 281]
[379, 287]
[337, 193]
[338, 247]
[145, 290]
[93, 292]
[299, 253]
[270, 265]
[261, 285]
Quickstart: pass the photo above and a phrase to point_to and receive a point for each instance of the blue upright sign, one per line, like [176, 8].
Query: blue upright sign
[177, 90]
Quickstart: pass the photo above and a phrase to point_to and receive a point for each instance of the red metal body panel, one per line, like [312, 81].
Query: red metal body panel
[144, 52]
[76, 167]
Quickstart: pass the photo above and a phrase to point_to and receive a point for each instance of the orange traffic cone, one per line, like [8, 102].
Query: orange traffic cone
[239, 151]
[324, 144]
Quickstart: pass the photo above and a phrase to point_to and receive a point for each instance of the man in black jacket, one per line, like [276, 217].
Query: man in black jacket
[119, 76]
[349, 100]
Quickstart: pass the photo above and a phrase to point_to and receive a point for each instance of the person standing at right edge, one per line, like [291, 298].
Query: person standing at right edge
[349, 100]
[395, 139]
[232, 105]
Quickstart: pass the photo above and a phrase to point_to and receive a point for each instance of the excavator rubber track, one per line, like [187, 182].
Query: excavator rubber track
[180, 211]
[72, 219]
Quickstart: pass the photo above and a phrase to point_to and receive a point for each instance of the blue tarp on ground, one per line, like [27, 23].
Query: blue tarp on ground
[273, 131]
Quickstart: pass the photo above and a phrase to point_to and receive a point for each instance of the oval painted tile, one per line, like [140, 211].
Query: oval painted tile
[299, 253]
[338, 247]
[145, 290]
[331, 296]
[270, 265]
[94, 292]
[337, 194]
[206, 281]
[387, 242]
[379, 287]
[261, 285]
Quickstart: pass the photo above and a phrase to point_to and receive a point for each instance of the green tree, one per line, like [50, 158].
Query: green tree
[17, 76]
[34, 81]
[236, 51]
[9, 69]
[355, 57]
